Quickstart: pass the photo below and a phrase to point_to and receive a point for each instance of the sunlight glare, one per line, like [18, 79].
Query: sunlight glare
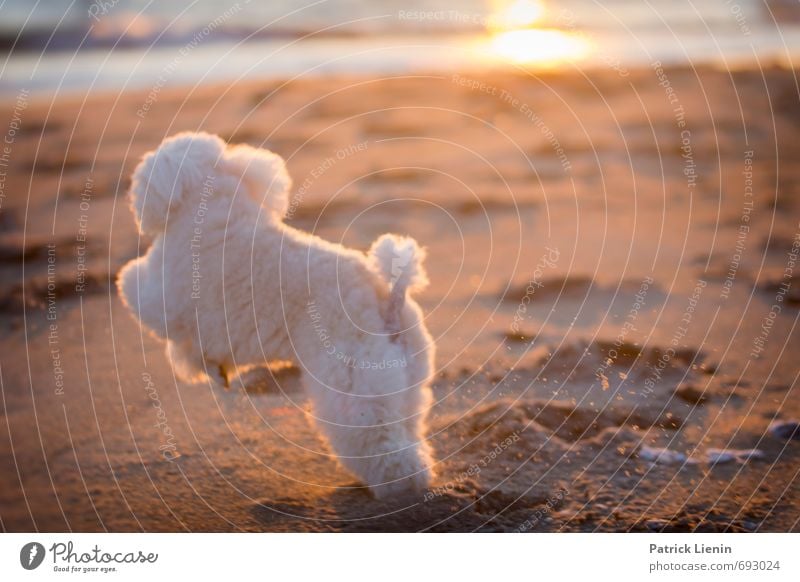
[541, 46]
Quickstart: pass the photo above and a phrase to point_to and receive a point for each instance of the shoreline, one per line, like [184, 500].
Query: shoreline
[71, 98]
[180, 67]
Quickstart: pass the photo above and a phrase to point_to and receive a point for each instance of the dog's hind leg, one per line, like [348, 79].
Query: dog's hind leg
[190, 365]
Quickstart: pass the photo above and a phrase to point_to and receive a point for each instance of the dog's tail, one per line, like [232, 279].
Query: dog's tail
[398, 260]
[188, 164]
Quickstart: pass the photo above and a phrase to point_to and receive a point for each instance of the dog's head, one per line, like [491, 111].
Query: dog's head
[186, 164]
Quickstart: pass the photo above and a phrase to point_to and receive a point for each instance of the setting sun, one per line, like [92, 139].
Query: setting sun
[518, 14]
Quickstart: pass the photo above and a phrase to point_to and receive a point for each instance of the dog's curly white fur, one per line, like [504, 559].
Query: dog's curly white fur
[227, 284]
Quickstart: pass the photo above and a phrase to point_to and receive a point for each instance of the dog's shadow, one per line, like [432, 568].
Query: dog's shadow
[353, 509]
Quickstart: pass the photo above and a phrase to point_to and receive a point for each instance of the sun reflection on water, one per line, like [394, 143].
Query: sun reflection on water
[543, 46]
[514, 37]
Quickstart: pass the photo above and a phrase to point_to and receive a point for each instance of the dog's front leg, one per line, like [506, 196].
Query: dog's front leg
[220, 374]
[223, 372]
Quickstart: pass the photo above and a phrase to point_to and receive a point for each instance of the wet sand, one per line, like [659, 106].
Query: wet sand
[613, 298]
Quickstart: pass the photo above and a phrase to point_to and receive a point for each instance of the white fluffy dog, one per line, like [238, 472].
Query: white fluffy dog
[227, 284]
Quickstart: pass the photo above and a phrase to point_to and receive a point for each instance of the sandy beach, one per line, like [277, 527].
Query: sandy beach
[613, 297]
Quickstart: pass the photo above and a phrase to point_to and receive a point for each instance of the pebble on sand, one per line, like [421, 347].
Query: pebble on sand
[785, 429]
[712, 456]
[717, 456]
[662, 456]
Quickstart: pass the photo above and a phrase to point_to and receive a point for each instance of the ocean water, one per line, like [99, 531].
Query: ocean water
[70, 45]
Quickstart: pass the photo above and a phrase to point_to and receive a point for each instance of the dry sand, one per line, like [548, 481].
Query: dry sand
[591, 306]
